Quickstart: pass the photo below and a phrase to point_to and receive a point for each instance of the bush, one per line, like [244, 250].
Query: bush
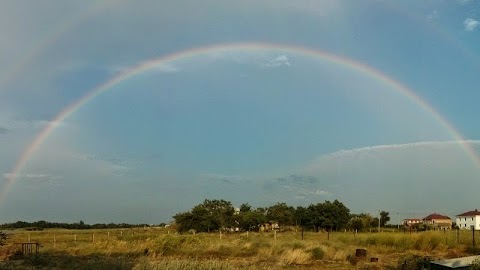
[413, 262]
[317, 253]
[475, 264]
[3, 238]
[186, 264]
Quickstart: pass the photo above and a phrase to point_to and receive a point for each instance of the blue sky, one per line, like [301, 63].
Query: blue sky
[259, 126]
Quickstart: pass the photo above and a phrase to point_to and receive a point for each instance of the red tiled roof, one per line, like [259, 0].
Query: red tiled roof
[435, 216]
[470, 214]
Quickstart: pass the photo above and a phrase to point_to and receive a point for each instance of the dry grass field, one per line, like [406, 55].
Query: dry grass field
[160, 248]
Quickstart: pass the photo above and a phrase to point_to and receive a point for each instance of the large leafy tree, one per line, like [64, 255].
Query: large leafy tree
[281, 213]
[303, 217]
[329, 215]
[211, 215]
[356, 223]
[366, 219]
[249, 220]
[384, 218]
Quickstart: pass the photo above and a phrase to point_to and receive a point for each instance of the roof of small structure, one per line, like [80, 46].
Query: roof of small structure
[435, 216]
[457, 262]
[470, 214]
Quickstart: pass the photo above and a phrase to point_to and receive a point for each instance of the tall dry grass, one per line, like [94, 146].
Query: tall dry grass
[159, 246]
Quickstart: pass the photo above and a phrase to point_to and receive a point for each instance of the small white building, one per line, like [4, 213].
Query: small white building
[411, 221]
[468, 219]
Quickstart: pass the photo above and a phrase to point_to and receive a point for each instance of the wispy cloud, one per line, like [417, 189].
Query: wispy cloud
[4, 130]
[166, 68]
[108, 164]
[298, 180]
[368, 150]
[301, 187]
[35, 178]
[317, 192]
[281, 60]
[464, 2]
[225, 178]
[434, 15]
[470, 24]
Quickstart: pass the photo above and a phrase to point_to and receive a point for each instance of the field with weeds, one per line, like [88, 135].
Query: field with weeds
[160, 248]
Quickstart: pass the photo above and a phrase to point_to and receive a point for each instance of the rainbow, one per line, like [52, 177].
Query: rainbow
[51, 37]
[219, 48]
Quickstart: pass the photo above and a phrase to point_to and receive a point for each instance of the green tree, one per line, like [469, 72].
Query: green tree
[374, 222]
[245, 207]
[281, 213]
[250, 220]
[384, 218]
[303, 217]
[356, 223]
[211, 215]
[367, 220]
[329, 215]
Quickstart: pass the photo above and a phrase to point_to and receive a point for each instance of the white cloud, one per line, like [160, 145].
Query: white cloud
[105, 164]
[433, 15]
[4, 130]
[225, 178]
[400, 176]
[35, 178]
[166, 68]
[316, 193]
[322, 193]
[281, 60]
[369, 150]
[464, 2]
[470, 24]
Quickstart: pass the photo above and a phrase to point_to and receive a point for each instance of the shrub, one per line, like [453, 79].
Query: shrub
[295, 256]
[475, 264]
[317, 253]
[183, 264]
[413, 262]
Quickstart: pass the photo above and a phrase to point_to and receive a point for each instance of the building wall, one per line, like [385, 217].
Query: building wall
[465, 224]
[411, 222]
[435, 222]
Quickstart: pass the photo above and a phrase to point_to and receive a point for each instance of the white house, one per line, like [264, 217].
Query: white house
[468, 219]
[411, 221]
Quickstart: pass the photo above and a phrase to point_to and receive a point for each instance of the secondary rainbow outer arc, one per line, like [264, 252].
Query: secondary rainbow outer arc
[98, 6]
[38, 47]
[251, 46]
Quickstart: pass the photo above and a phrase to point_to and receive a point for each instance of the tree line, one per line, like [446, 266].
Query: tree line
[214, 215]
[40, 225]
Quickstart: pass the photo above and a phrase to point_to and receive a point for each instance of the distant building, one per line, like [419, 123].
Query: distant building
[438, 221]
[468, 219]
[411, 221]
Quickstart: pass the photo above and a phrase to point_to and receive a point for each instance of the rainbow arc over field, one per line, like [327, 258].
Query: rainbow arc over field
[145, 66]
